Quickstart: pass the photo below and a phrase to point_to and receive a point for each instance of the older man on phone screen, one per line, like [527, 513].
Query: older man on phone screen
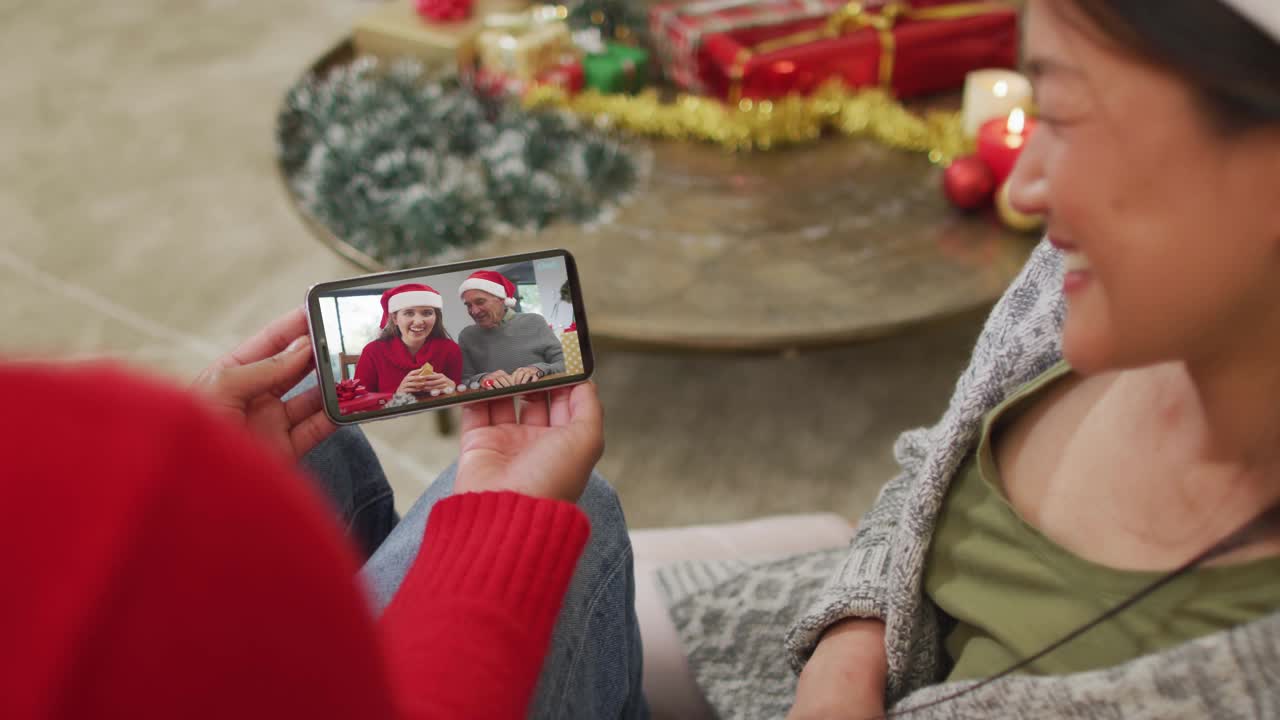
[504, 348]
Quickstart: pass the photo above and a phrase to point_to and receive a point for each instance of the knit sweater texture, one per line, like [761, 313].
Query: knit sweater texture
[522, 340]
[748, 629]
[384, 364]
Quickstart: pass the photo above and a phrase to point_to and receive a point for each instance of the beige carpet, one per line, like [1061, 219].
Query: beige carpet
[141, 219]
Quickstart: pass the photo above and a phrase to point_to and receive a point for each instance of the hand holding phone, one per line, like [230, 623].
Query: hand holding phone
[247, 384]
[548, 450]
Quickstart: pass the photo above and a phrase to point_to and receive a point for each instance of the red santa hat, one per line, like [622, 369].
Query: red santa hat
[494, 283]
[409, 295]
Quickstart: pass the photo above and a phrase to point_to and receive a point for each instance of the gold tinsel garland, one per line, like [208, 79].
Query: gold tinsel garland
[768, 124]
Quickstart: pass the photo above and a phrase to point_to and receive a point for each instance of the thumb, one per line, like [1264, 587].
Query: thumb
[276, 374]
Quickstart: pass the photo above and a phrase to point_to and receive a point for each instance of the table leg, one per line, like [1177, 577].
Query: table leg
[444, 421]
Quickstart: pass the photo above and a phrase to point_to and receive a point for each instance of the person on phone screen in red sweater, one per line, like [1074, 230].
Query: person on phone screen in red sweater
[413, 353]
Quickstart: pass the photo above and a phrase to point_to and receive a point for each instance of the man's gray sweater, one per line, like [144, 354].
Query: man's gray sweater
[522, 340]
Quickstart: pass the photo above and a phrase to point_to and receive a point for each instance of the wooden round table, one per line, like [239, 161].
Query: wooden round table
[838, 241]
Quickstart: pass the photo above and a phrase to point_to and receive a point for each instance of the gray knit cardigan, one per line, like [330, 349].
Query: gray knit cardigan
[733, 618]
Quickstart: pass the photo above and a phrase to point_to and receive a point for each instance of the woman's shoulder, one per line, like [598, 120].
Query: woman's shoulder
[144, 422]
[377, 345]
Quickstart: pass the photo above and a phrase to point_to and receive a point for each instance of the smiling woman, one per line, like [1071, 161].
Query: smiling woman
[1156, 166]
[1114, 438]
[414, 353]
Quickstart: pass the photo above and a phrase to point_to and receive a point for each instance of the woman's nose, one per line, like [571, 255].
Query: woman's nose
[1028, 187]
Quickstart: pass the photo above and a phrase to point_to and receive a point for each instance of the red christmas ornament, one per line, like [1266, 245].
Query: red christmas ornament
[445, 10]
[968, 182]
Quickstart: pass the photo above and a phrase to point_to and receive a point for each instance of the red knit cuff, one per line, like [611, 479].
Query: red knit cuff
[503, 547]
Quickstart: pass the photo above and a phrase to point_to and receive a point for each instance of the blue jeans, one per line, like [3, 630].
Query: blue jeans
[593, 665]
[349, 474]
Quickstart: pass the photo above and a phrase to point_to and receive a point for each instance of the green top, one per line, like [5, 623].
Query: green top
[1012, 591]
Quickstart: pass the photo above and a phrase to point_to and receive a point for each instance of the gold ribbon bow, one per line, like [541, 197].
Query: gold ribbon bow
[852, 18]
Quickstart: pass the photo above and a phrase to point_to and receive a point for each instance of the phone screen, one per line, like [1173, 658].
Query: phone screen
[428, 338]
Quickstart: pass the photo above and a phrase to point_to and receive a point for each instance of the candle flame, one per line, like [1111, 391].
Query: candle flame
[1017, 121]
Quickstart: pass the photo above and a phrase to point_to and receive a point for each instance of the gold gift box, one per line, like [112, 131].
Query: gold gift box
[523, 45]
[395, 30]
[572, 354]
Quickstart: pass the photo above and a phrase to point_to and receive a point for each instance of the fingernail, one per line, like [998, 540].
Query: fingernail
[297, 345]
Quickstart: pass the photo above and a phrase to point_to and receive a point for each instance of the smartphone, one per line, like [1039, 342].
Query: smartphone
[403, 342]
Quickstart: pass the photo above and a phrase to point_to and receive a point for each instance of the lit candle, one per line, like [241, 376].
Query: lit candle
[993, 93]
[1000, 142]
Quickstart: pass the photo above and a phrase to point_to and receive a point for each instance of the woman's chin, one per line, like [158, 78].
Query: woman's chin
[1091, 349]
[1086, 346]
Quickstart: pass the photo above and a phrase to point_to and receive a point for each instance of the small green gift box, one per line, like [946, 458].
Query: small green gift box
[619, 69]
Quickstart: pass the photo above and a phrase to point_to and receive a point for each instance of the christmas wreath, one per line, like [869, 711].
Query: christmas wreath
[412, 169]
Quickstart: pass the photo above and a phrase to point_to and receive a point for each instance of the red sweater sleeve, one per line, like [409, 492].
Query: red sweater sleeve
[367, 368]
[467, 632]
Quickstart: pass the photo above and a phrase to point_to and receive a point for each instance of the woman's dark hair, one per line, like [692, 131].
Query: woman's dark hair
[1230, 62]
[393, 331]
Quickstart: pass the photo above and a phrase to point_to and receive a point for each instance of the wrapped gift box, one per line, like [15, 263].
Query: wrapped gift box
[366, 402]
[395, 30]
[619, 69]
[572, 353]
[678, 28]
[523, 46]
[567, 76]
[787, 46]
[909, 51]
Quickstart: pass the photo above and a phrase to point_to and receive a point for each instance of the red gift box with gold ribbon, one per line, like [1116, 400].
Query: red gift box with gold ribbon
[909, 48]
[679, 27]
